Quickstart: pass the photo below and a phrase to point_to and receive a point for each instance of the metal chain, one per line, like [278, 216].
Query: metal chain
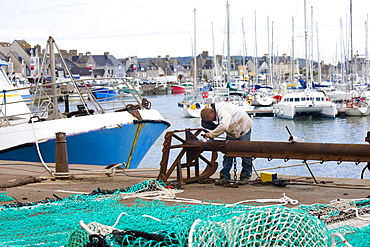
[235, 170]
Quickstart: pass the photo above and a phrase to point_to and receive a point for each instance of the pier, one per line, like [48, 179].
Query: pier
[268, 112]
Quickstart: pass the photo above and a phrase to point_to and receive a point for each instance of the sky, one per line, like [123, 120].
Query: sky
[148, 28]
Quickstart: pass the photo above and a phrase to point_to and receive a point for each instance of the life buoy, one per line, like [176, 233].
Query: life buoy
[205, 95]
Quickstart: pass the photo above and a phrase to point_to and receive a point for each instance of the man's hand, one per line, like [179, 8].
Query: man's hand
[208, 135]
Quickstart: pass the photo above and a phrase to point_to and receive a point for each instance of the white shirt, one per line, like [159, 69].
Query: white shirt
[232, 119]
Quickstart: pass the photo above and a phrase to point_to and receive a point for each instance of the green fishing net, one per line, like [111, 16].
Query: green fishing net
[5, 198]
[101, 219]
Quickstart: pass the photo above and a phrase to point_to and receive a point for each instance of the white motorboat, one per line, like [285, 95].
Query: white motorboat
[308, 102]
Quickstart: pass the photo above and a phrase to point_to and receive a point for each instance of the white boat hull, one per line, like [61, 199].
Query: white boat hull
[300, 103]
[358, 112]
[260, 100]
[193, 109]
[102, 139]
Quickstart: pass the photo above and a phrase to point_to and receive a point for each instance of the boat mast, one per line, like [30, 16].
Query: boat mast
[318, 53]
[272, 60]
[269, 52]
[343, 53]
[53, 78]
[228, 42]
[214, 59]
[255, 48]
[305, 40]
[350, 20]
[195, 58]
[244, 44]
[292, 59]
[311, 50]
[366, 51]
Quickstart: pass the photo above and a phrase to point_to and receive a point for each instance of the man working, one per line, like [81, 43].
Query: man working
[237, 125]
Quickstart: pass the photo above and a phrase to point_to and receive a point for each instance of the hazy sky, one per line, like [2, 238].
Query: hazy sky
[148, 28]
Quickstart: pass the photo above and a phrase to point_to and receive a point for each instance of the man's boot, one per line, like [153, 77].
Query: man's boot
[244, 178]
[222, 180]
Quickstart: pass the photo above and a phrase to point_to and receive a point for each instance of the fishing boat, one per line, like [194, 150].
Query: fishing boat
[104, 92]
[161, 88]
[302, 103]
[179, 88]
[131, 85]
[119, 130]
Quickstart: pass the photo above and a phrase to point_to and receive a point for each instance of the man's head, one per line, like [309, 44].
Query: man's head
[208, 114]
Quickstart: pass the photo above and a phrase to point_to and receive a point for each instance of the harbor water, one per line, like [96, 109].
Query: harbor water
[314, 130]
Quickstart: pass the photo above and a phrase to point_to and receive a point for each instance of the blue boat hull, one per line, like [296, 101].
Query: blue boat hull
[126, 143]
[103, 93]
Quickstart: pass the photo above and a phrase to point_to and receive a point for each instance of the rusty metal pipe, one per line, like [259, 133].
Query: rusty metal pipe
[192, 149]
[288, 150]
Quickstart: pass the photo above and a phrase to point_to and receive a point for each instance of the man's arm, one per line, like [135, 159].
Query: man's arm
[216, 132]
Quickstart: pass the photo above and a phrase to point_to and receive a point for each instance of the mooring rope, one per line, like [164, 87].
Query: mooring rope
[38, 149]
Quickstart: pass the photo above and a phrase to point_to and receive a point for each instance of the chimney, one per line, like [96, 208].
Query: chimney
[73, 52]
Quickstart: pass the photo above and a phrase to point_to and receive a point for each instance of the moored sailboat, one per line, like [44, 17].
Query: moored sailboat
[356, 106]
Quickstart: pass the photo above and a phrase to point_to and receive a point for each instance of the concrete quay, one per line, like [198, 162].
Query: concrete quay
[31, 182]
